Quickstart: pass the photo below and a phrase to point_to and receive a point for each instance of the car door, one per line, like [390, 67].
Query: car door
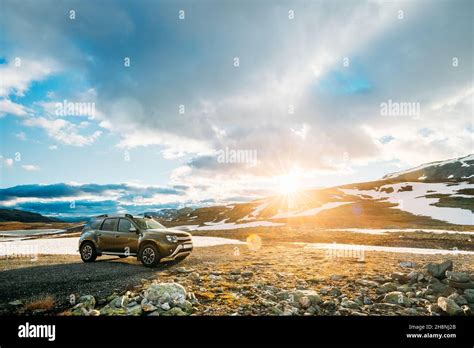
[108, 234]
[127, 240]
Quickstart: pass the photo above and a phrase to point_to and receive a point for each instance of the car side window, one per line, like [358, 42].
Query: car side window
[109, 225]
[94, 224]
[124, 225]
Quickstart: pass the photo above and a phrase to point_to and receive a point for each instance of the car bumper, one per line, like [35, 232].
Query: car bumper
[181, 250]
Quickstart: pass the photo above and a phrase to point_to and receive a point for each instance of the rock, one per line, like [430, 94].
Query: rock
[235, 272]
[109, 310]
[335, 292]
[183, 270]
[449, 306]
[386, 287]
[335, 277]
[275, 311]
[469, 295]
[112, 297]
[15, 303]
[290, 310]
[400, 277]
[397, 297]
[88, 302]
[175, 311]
[312, 295]
[186, 306]
[367, 300]
[147, 306]
[159, 294]
[329, 305]
[415, 276]
[466, 309]
[404, 288]
[461, 277]
[349, 304]
[459, 299]
[461, 285]
[407, 264]
[438, 270]
[439, 289]
[134, 310]
[247, 274]
[434, 310]
[79, 310]
[304, 302]
[94, 313]
[369, 283]
[165, 306]
[120, 302]
[195, 276]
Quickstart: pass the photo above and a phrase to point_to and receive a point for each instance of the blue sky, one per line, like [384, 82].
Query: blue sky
[332, 65]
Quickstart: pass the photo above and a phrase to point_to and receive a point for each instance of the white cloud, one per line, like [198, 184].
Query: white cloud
[17, 79]
[30, 167]
[63, 131]
[9, 107]
[8, 162]
[21, 136]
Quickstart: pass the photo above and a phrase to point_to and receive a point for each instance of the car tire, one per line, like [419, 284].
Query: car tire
[149, 255]
[88, 252]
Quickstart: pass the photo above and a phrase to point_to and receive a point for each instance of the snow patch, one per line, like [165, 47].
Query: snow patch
[416, 203]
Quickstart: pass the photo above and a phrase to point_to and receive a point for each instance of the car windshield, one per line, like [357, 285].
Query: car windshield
[148, 224]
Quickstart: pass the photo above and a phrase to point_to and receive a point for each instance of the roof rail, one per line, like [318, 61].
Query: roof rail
[130, 216]
[103, 215]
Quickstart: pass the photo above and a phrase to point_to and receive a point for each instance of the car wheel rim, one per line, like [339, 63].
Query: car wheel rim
[148, 255]
[87, 252]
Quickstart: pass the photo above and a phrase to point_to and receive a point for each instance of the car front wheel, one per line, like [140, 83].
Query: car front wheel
[149, 255]
[88, 252]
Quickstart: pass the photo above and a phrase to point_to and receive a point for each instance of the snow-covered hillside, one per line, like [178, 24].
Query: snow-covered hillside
[432, 195]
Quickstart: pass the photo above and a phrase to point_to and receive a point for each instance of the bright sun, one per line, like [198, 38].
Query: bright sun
[288, 183]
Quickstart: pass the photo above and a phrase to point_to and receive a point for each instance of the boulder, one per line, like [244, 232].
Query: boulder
[88, 301]
[398, 298]
[439, 289]
[461, 285]
[469, 295]
[438, 270]
[387, 287]
[461, 277]
[449, 306]
[159, 294]
[459, 299]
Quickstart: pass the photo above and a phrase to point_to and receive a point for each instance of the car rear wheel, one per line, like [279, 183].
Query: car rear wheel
[149, 255]
[88, 252]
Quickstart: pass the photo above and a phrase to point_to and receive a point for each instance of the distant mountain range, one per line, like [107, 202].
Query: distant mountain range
[23, 216]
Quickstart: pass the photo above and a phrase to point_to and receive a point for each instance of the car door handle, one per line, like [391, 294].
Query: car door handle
[116, 236]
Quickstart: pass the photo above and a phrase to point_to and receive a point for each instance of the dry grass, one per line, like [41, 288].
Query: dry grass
[46, 303]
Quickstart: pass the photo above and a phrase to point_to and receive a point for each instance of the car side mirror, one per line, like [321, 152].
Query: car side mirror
[133, 229]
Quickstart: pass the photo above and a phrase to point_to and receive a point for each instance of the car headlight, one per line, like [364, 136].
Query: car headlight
[171, 238]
